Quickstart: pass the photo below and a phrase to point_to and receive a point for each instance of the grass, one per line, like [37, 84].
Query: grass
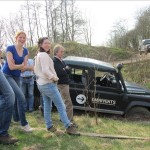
[40, 139]
[96, 52]
[138, 72]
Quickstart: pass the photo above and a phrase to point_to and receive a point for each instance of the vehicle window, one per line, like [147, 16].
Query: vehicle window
[99, 73]
[78, 75]
[105, 79]
[146, 42]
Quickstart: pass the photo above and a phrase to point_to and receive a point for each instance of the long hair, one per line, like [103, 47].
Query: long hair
[40, 41]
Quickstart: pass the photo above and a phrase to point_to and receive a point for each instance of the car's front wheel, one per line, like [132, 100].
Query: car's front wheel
[138, 113]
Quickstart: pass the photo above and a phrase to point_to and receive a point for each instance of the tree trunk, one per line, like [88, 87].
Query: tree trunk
[29, 21]
[62, 25]
[36, 20]
[47, 19]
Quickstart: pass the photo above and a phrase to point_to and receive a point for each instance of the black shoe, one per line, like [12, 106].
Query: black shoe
[8, 140]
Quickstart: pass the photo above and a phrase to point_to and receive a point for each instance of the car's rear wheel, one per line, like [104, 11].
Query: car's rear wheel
[138, 113]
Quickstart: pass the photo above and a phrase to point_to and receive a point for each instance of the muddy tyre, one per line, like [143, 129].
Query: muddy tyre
[138, 113]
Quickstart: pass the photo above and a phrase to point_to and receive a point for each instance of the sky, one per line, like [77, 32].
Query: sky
[102, 14]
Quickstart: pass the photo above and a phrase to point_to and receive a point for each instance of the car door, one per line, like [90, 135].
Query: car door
[78, 88]
[107, 98]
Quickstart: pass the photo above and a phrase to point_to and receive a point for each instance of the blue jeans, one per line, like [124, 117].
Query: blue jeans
[7, 99]
[27, 86]
[18, 112]
[41, 100]
[50, 93]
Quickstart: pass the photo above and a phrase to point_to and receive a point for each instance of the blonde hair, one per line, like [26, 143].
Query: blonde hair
[57, 48]
[18, 33]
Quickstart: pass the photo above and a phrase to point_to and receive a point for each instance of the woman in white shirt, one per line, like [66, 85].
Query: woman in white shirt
[47, 84]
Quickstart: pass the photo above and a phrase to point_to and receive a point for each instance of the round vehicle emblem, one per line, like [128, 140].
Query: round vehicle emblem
[81, 99]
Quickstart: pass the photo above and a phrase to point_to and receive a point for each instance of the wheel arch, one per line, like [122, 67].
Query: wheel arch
[137, 104]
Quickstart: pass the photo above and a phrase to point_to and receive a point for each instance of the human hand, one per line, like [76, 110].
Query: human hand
[55, 79]
[22, 67]
[67, 67]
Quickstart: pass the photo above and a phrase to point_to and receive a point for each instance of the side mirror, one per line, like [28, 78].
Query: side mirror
[119, 66]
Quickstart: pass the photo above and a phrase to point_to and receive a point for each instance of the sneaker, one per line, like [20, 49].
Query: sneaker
[55, 131]
[72, 130]
[8, 140]
[27, 128]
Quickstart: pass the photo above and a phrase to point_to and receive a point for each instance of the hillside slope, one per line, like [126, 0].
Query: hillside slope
[96, 52]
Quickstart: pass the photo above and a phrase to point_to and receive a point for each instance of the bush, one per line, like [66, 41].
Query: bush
[32, 50]
[138, 72]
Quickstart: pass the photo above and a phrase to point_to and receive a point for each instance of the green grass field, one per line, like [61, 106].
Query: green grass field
[40, 139]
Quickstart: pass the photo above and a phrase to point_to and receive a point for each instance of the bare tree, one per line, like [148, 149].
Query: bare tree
[11, 27]
[66, 21]
[1, 32]
[55, 23]
[47, 18]
[39, 20]
[35, 8]
[29, 23]
[20, 20]
[88, 33]
[62, 22]
[51, 5]
[54, 29]
[72, 21]
[119, 32]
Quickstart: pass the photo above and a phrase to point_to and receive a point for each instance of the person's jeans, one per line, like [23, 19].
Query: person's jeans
[27, 86]
[41, 100]
[18, 112]
[7, 99]
[50, 93]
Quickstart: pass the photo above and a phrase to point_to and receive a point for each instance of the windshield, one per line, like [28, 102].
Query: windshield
[145, 42]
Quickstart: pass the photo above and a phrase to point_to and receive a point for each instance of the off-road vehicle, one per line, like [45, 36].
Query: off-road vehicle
[144, 47]
[98, 86]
